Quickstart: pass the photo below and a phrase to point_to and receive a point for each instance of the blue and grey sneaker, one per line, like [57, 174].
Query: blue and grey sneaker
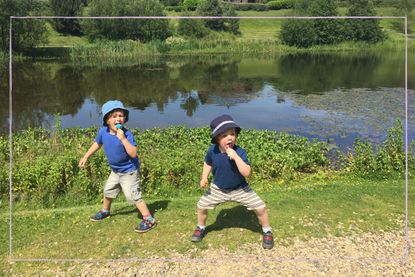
[145, 225]
[100, 216]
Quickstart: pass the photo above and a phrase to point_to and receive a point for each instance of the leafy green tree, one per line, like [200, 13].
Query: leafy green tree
[67, 8]
[192, 28]
[117, 29]
[305, 33]
[171, 2]
[231, 25]
[403, 8]
[299, 33]
[331, 31]
[211, 8]
[26, 32]
[363, 29]
[327, 31]
[217, 8]
[190, 5]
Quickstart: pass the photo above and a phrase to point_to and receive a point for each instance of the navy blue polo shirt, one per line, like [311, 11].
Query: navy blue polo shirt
[117, 156]
[225, 172]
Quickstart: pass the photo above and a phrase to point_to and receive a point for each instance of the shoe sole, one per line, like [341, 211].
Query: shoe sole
[96, 220]
[196, 239]
[265, 246]
[145, 231]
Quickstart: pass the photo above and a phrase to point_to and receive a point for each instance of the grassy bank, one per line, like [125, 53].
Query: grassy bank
[258, 37]
[338, 206]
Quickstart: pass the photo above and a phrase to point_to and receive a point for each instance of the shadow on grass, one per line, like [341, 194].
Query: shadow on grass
[236, 217]
[153, 208]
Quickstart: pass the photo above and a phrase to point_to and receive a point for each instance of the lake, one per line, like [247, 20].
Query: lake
[330, 96]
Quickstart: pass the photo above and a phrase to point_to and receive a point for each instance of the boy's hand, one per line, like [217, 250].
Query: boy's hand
[204, 183]
[82, 162]
[231, 153]
[120, 134]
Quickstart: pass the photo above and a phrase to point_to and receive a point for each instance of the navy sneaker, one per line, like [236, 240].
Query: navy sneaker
[145, 226]
[100, 216]
[198, 234]
[267, 240]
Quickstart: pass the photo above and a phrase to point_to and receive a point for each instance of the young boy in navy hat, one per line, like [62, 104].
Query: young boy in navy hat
[229, 165]
[121, 151]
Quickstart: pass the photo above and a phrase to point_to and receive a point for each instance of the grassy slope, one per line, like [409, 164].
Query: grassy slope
[302, 210]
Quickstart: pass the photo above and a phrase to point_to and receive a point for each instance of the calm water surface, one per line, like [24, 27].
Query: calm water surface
[327, 96]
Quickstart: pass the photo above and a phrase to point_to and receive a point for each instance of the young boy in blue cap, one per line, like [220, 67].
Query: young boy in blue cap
[230, 165]
[121, 151]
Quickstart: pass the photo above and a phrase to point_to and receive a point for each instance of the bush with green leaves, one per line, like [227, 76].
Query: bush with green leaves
[367, 30]
[45, 163]
[192, 28]
[280, 4]
[299, 33]
[382, 161]
[331, 31]
[306, 33]
[217, 8]
[189, 5]
[250, 6]
[171, 2]
[119, 29]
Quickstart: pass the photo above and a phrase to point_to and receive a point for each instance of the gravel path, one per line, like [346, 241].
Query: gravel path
[358, 255]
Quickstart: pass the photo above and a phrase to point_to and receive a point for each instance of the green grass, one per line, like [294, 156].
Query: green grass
[339, 207]
[56, 39]
[253, 29]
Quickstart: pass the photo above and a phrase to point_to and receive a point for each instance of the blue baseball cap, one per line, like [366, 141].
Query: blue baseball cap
[111, 105]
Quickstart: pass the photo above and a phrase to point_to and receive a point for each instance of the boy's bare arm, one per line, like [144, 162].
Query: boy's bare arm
[205, 174]
[94, 148]
[243, 168]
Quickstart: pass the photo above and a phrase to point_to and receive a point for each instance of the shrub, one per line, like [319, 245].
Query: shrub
[189, 5]
[118, 29]
[310, 32]
[363, 29]
[299, 33]
[45, 163]
[48, 169]
[331, 31]
[216, 8]
[280, 4]
[192, 28]
[383, 161]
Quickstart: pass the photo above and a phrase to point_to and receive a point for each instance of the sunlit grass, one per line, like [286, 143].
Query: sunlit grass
[340, 206]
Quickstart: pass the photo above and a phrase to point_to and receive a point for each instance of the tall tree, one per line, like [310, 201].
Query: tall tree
[305, 33]
[217, 8]
[367, 30]
[26, 32]
[67, 8]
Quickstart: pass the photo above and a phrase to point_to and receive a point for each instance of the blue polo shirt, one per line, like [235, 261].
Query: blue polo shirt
[117, 156]
[225, 172]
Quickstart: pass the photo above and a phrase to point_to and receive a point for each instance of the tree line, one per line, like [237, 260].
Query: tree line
[301, 33]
